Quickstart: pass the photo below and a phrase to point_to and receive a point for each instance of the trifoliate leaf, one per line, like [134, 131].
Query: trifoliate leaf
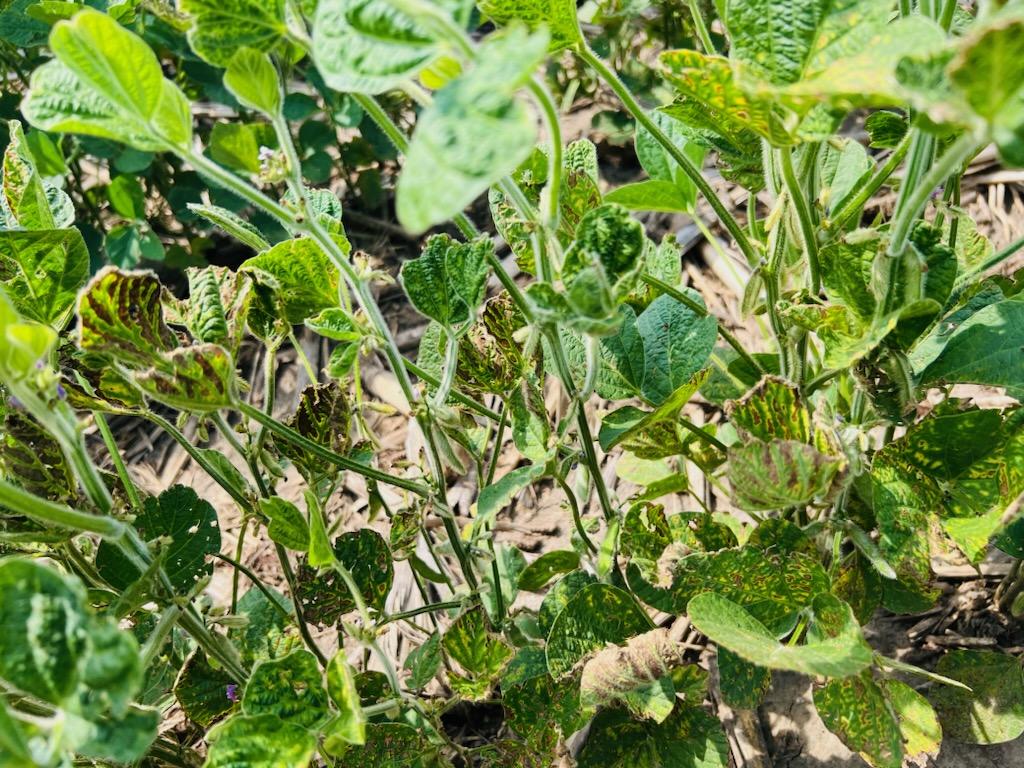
[221, 27]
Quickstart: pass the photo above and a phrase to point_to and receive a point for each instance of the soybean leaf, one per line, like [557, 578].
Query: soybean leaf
[448, 281]
[233, 224]
[424, 661]
[481, 654]
[546, 567]
[369, 46]
[557, 16]
[43, 630]
[855, 709]
[498, 495]
[559, 596]
[189, 522]
[780, 474]
[676, 342]
[299, 276]
[252, 80]
[42, 272]
[732, 627]
[474, 133]
[993, 711]
[290, 688]
[107, 82]
[269, 633]
[202, 691]
[124, 739]
[198, 378]
[238, 145]
[349, 725]
[221, 27]
[919, 725]
[983, 349]
[24, 196]
[636, 674]
[288, 525]
[690, 737]
[325, 598]
[259, 740]
[743, 685]
[390, 745]
[596, 615]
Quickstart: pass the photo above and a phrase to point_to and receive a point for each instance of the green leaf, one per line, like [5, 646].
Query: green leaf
[780, 474]
[730, 626]
[288, 525]
[120, 739]
[448, 282]
[290, 688]
[474, 133]
[557, 16]
[596, 615]
[855, 709]
[107, 82]
[477, 651]
[238, 145]
[24, 196]
[994, 711]
[233, 224]
[424, 661]
[690, 738]
[608, 249]
[252, 80]
[983, 349]
[369, 46]
[42, 272]
[676, 342]
[350, 724]
[190, 524]
[498, 495]
[219, 29]
[919, 725]
[127, 197]
[546, 567]
[325, 598]
[844, 167]
[559, 596]
[301, 278]
[43, 630]
[651, 195]
[846, 271]
[263, 740]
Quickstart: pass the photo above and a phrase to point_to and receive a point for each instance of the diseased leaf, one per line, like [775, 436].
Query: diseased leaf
[193, 532]
[120, 314]
[197, 378]
[855, 709]
[448, 281]
[546, 567]
[233, 224]
[743, 685]
[636, 673]
[107, 82]
[919, 725]
[480, 654]
[557, 16]
[325, 598]
[993, 712]
[424, 661]
[732, 627]
[596, 615]
[780, 474]
[689, 737]
[299, 276]
[220, 28]
[349, 726]
[289, 688]
[263, 740]
[24, 199]
[202, 691]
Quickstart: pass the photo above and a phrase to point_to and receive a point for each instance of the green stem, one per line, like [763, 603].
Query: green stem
[577, 519]
[701, 28]
[552, 189]
[168, 618]
[443, 606]
[701, 310]
[867, 191]
[115, 455]
[803, 214]
[46, 511]
[613, 81]
[287, 433]
[453, 395]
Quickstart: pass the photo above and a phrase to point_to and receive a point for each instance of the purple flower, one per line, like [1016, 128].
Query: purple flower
[62, 393]
[232, 692]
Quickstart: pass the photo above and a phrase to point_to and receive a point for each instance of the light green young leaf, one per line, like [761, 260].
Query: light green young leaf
[369, 46]
[44, 637]
[557, 16]
[919, 725]
[730, 626]
[107, 82]
[42, 272]
[238, 145]
[594, 616]
[469, 642]
[220, 28]
[252, 79]
[263, 740]
[350, 724]
[475, 133]
[288, 525]
[651, 195]
[448, 282]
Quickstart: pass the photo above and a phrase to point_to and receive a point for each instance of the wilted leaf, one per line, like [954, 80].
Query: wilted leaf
[632, 672]
[780, 474]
